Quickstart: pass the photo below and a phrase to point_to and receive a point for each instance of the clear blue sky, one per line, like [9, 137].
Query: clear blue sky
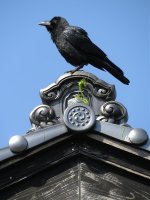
[30, 61]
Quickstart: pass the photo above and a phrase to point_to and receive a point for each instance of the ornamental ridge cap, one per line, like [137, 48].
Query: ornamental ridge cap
[78, 74]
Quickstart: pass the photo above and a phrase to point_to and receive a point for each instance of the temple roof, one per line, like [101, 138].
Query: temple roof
[63, 111]
[78, 127]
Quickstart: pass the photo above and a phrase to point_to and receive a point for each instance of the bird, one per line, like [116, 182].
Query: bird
[76, 47]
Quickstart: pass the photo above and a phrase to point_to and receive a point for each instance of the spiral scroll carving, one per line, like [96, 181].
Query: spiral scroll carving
[50, 96]
[113, 112]
[42, 116]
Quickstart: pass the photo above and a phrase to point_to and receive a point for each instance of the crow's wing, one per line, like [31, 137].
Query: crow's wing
[78, 38]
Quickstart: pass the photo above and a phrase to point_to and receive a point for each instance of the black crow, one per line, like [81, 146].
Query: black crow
[76, 47]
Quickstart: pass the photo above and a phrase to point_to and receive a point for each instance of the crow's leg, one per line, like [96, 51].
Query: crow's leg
[77, 69]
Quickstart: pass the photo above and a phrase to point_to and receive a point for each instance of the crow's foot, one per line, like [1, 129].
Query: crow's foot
[70, 71]
[77, 69]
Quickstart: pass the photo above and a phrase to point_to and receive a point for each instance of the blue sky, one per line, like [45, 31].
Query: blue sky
[29, 61]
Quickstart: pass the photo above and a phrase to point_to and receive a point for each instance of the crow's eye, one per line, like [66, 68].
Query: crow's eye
[53, 23]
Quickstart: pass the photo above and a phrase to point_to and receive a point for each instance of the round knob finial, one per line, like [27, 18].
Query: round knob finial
[18, 143]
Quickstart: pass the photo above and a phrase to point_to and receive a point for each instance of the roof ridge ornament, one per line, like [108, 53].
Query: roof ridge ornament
[63, 111]
[60, 95]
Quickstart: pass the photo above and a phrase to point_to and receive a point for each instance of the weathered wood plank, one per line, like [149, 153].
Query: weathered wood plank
[80, 178]
[106, 183]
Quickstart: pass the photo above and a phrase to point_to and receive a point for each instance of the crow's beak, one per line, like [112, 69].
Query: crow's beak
[46, 23]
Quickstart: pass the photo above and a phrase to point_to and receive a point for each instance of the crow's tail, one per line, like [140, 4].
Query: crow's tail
[107, 65]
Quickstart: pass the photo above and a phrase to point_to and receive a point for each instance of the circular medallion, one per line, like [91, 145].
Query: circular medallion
[79, 117]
